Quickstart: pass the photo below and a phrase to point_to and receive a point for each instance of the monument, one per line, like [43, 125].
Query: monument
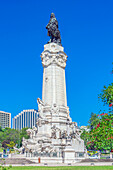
[56, 137]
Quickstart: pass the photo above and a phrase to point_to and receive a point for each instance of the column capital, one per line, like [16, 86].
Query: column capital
[53, 54]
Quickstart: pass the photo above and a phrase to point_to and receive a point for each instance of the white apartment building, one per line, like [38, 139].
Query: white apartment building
[27, 118]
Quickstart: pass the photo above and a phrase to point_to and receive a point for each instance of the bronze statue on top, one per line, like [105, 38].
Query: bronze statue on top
[53, 31]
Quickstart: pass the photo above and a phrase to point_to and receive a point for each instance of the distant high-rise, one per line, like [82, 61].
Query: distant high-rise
[27, 118]
[5, 119]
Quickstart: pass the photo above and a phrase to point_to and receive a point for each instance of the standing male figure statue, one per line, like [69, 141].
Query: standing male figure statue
[53, 31]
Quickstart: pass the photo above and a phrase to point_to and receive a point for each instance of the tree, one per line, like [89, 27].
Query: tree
[85, 136]
[100, 135]
[24, 134]
[107, 95]
[0, 128]
[4, 143]
[7, 135]
[93, 121]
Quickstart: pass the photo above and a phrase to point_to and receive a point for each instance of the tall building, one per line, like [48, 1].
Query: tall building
[5, 119]
[27, 118]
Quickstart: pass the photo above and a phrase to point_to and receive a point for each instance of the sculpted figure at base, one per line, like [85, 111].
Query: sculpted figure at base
[40, 107]
[53, 31]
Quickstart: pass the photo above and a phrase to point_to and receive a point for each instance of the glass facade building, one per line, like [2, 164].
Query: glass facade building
[5, 119]
[27, 118]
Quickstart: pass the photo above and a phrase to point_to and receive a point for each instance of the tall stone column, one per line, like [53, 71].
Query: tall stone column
[54, 85]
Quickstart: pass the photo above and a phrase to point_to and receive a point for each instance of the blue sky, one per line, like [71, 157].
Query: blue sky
[87, 37]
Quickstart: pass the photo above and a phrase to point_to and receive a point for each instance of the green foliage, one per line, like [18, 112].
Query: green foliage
[24, 134]
[107, 94]
[11, 145]
[85, 137]
[0, 144]
[14, 136]
[4, 143]
[0, 128]
[93, 121]
[100, 137]
[7, 135]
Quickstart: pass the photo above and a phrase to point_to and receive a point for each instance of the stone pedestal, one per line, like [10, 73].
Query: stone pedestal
[69, 155]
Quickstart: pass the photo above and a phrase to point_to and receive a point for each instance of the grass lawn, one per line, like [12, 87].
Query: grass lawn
[64, 168]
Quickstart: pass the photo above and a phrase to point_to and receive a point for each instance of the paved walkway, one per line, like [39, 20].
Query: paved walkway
[85, 162]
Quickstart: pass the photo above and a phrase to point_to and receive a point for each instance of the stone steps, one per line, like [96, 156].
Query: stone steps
[97, 160]
[16, 161]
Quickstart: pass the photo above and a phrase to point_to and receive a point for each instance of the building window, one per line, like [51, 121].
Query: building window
[17, 122]
[24, 119]
[35, 118]
[20, 121]
[31, 120]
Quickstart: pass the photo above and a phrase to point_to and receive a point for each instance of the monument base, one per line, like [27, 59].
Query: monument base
[56, 136]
